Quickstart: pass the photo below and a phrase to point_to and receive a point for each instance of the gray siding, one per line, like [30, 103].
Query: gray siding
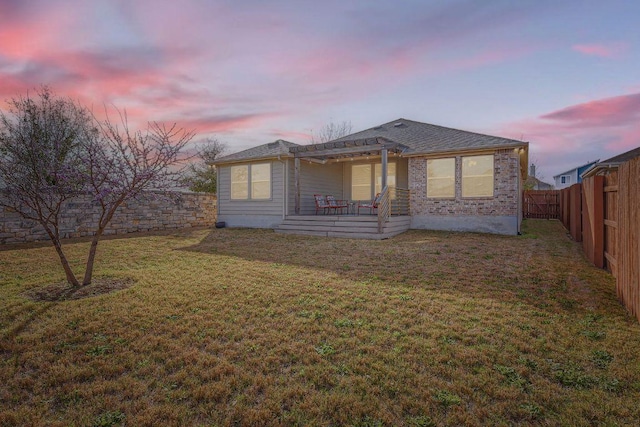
[252, 213]
[315, 178]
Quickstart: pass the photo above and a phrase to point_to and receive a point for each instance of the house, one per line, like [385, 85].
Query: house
[613, 163]
[533, 183]
[572, 176]
[429, 177]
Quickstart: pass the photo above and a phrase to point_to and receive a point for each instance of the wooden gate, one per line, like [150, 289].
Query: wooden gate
[542, 204]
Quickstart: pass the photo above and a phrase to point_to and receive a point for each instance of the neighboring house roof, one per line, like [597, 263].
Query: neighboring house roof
[425, 138]
[583, 167]
[264, 151]
[614, 161]
[535, 184]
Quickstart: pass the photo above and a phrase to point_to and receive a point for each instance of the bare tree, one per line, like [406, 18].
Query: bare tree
[202, 176]
[41, 160]
[331, 131]
[53, 149]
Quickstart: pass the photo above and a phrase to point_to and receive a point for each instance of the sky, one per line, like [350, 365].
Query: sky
[562, 75]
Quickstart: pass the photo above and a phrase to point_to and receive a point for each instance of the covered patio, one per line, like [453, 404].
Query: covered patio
[351, 170]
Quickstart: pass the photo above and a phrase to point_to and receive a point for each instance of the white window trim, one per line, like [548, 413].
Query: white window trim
[250, 183]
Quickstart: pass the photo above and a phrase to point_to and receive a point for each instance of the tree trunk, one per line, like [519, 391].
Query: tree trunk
[88, 273]
[71, 278]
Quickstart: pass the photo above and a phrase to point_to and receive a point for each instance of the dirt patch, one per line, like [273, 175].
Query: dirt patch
[63, 291]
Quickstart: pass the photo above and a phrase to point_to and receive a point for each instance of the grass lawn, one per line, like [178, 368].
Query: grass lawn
[248, 327]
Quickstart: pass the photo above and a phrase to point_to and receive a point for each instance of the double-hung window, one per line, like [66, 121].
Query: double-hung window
[477, 176]
[441, 177]
[251, 182]
[366, 180]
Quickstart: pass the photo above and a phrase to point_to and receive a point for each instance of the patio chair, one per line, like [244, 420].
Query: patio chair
[321, 203]
[370, 205]
[337, 204]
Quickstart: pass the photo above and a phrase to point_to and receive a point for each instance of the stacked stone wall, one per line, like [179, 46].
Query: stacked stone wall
[154, 211]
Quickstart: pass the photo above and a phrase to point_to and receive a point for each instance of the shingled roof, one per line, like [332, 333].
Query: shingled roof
[425, 138]
[613, 162]
[264, 151]
[408, 136]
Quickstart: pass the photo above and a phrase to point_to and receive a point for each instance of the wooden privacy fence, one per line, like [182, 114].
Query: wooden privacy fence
[541, 204]
[604, 214]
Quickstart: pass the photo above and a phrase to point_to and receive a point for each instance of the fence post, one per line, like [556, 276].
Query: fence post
[575, 212]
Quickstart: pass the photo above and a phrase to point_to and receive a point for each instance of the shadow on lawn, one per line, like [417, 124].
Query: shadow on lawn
[542, 268]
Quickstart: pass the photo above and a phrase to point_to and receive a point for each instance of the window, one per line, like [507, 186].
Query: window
[361, 182]
[366, 180]
[391, 176]
[441, 177]
[260, 177]
[477, 176]
[239, 182]
[261, 181]
[565, 179]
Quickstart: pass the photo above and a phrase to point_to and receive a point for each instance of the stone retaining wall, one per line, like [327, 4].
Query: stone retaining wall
[155, 212]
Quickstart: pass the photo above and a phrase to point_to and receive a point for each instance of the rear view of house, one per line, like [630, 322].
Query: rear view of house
[432, 176]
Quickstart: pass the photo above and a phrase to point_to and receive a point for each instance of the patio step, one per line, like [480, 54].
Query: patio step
[346, 226]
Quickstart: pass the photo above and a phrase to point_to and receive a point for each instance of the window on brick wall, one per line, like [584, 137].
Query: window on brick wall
[477, 176]
[441, 177]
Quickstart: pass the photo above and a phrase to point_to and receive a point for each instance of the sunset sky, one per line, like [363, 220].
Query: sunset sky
[563, 75]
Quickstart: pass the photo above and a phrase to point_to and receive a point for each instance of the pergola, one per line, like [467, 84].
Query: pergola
[336, 150]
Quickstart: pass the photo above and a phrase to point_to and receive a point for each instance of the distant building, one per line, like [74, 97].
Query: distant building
[613, 163]
[572, 176]
[533, 183]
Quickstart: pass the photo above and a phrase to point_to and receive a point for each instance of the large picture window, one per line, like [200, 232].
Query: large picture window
[441, 177]
[259, 175]
[477, 176]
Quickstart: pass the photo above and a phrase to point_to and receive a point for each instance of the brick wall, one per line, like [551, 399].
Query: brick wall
[503, 203]
[80, 215]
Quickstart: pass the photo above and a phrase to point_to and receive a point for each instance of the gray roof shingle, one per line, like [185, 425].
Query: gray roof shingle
[621, 158]
[417, 137]
[264, 151]
[424, 138]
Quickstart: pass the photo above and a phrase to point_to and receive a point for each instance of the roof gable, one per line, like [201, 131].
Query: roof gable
[264, 151]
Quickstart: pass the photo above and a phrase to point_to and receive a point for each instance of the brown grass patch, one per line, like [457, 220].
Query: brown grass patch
[247, 327]
[63, 291]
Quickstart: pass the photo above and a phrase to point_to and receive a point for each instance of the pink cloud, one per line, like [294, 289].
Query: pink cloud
[222, 123]
[612, 50]
[579, 133]
[608, 112]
